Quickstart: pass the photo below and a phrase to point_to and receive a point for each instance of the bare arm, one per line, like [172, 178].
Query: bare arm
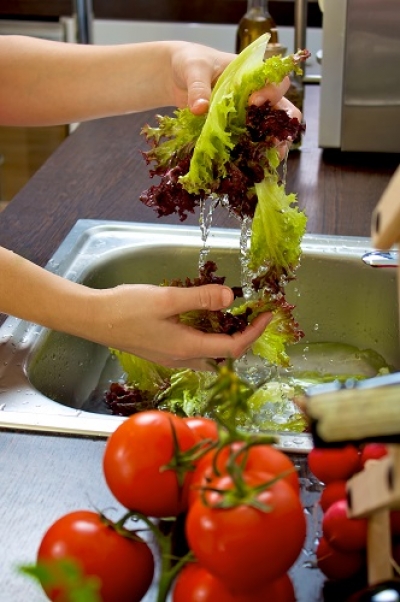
[139, 319]
[46, 83]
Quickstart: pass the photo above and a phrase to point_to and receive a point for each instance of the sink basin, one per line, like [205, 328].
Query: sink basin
[50, 381]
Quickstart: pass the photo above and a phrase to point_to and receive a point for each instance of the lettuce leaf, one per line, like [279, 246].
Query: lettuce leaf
[226, 118]
[188, 392]
[232, 153]
[141, 373]
[277, 230]
[271, 405]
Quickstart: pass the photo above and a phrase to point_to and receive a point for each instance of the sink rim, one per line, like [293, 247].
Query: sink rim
[19, 339]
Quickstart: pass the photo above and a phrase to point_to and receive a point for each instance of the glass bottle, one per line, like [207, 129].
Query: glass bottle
[255, 22]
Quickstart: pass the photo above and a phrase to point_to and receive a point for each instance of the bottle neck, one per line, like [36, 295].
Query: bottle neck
[259, 5]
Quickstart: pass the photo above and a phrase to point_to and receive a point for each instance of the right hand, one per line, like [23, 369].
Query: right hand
[144, 320]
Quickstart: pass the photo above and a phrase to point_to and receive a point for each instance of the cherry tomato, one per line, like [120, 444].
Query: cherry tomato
[124, 566]
[258, 458]
[245, 546]
[342, 532]
[338, 464]
[204, 428]
[135, 458]
[196, 584]
[373, 451]
[332, 493]
[338, 565]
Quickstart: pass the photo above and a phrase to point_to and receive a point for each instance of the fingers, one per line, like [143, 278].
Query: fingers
[199, 88]
[202, 75]
[285, 105]
[209, 296]
[253, 331]
[271, 92]
[195, 346]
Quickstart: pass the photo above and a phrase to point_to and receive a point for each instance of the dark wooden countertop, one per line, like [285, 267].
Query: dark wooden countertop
[98, 172]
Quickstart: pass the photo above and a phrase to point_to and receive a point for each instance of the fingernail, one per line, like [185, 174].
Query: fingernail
[226, 297]
[257, 100]
[200, 105]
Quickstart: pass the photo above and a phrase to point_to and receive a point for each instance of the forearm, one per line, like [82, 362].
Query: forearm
[36, 295]
[46, 83]
[139, 319]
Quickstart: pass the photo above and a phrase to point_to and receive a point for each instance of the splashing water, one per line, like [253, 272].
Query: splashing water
[205, 222]
[245, 273]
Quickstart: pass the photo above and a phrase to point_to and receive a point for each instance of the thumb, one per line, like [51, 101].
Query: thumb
[199, 91]
[208, 296]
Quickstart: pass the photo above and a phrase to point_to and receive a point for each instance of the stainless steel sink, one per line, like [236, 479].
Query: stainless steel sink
[54, 382]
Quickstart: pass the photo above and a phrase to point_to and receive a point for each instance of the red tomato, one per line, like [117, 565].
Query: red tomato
[124, 567]
[259, 458]
[332, 493]
[204, 428]
[373, 451]
[134, 460]
[243, 546]
[196, 584]
[338, 464]
[338, 565]
[266, 458]
[344, 533]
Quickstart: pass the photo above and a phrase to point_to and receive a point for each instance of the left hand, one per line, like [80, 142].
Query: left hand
[195, 70]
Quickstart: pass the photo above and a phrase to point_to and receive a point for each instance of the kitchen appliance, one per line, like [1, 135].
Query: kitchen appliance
[360, 88]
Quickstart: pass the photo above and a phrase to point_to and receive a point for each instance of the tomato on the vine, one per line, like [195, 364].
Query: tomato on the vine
[242, 545]
[197, 584]
[135, 461]
[334, 464]
[203, 427]
[257, 458]
[124, 566]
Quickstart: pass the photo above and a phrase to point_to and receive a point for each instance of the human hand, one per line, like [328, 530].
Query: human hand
[195, 69]
[144, 320]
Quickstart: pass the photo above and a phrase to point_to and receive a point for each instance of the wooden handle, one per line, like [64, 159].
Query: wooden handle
[385, 227]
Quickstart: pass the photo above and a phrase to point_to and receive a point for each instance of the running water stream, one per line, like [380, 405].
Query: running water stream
[253, 369]
[207, 207]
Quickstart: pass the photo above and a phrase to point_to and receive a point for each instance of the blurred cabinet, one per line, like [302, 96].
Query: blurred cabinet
[24, 150]
[196, 11]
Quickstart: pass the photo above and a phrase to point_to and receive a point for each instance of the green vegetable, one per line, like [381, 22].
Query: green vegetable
[270, 405]
[188, 392]
[277, 230]
[226, 118]
[141, 373]
[226, 153]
